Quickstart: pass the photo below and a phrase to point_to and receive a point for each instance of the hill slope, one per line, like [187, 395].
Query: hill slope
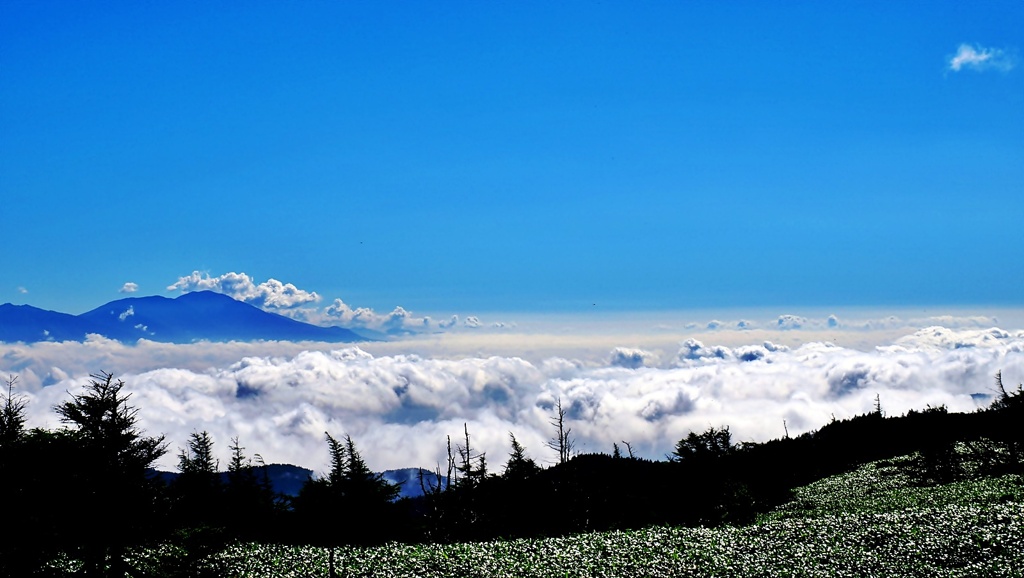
[890, 528]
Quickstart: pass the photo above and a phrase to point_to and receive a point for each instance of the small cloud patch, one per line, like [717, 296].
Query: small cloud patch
[629, 358]
[790, 322]
[979, 58]
[127, 313]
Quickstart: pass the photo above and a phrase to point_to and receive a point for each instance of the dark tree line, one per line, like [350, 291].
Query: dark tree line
[81, 492]
[83, 499]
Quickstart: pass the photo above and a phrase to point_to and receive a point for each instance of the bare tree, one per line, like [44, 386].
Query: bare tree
[562, 442]
[440, 483]
[473, 465]
[629, 449]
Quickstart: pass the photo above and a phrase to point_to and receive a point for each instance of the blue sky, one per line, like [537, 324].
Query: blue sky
[767, 201]
[467, 157]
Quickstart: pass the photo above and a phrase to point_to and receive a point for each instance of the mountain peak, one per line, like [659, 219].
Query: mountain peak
[207, 296]
[190, 317]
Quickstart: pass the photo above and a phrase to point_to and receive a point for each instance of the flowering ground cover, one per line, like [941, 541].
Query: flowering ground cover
[869, 522]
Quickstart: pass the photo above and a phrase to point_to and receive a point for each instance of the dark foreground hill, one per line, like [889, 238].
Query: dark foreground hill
[198, 316]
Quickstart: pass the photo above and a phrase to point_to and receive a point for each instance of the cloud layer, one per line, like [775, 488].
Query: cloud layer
[304, 305]
[399, 407]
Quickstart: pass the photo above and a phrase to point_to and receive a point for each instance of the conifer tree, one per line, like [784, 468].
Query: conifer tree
[351, 499]
[198, 489]
[519, 467]
[239, 466]
[245, 481]
[20, 548]
[112, 500]
[250, 503]
[198, 458]
[1007, 412]
[703, 448]
[12, 414]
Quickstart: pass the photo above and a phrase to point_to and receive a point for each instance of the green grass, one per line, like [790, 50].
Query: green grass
[869, 522]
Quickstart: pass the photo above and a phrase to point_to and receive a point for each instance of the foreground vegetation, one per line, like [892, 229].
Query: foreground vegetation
[874, 521]
[81, 500]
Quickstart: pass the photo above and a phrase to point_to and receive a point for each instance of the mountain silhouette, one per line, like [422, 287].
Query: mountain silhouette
[287, 479]
[197, 316]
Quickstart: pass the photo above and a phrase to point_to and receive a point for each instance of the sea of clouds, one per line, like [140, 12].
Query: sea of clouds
[401, 399]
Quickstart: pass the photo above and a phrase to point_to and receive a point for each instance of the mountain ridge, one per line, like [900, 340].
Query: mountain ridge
[288, 479]
[191, 317]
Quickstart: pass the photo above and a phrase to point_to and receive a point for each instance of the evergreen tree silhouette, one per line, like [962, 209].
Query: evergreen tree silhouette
[351, 504]
[251, 507]
[703, 448]
[198, 489]
[519, 467]
[112, 500]
[12, 414]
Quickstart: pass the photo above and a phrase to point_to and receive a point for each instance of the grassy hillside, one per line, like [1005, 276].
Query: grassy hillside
[873, 521]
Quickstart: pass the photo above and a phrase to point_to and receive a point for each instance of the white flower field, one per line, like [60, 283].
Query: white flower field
[869, 522]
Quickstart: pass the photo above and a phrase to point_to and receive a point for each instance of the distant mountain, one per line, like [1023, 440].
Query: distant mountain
[287, 479]
[408, 480]
[197, 316]
[30, 324]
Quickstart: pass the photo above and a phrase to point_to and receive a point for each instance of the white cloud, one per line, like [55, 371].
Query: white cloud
[693, 353]
[271, 294]
[630, 358]
[979, 58]
[400, 399]
[129, 287]
[399, 320]
[22, 290]
[287, 299]
[790, 322]
[127, 313]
